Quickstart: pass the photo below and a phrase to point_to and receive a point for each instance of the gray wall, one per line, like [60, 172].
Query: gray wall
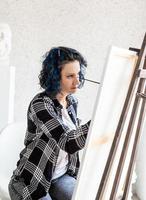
[89, 26]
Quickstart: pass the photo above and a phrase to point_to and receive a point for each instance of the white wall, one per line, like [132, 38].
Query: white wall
[89, 26]
[141, 166]
[4, 97]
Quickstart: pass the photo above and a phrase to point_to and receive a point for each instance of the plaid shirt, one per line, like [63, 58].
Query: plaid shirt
[46, 135]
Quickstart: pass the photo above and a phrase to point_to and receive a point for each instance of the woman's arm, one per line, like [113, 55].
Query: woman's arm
[51, 126]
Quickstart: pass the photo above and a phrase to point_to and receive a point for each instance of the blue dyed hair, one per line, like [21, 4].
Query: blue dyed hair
[54, 59]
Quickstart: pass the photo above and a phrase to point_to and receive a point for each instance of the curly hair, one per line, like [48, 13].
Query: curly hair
[52, 64]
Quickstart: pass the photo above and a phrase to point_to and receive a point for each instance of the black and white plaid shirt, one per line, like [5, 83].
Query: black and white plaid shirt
[46, 135]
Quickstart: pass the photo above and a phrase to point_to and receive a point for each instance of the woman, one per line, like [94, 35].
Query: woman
[49, 163]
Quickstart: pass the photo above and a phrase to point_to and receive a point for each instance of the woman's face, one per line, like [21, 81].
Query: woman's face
[70, 77]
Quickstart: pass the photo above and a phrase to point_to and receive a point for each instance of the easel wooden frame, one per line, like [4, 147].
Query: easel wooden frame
[139, 73]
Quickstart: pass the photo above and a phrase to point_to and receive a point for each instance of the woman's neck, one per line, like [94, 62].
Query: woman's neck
[62, 99]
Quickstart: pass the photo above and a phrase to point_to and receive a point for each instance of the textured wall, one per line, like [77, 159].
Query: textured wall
[89, 26]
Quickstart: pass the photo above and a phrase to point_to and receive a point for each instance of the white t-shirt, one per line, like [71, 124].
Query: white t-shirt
[62, 161]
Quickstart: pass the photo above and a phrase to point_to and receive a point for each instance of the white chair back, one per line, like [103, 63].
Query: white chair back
[11, 143]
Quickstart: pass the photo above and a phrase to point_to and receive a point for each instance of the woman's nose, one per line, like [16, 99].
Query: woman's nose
[77, 80]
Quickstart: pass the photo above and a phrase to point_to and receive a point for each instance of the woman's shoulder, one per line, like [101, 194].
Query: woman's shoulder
[37, 96]
[41, 97]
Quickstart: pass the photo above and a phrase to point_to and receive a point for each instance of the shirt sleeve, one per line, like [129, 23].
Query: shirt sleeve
[50, 124]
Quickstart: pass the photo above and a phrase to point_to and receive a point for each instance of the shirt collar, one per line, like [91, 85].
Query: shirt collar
[55, 102]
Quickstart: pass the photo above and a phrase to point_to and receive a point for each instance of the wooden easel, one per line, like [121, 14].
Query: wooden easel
[138, 83]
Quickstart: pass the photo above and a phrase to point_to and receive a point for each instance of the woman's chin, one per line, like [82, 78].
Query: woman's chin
[73, 90]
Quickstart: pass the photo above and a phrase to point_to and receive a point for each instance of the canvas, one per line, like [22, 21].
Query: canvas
[110, 99]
